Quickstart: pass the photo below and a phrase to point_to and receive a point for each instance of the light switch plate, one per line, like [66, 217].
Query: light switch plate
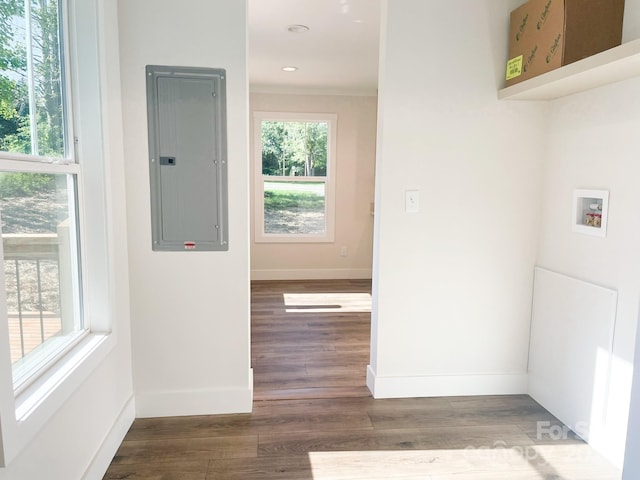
[412, 201]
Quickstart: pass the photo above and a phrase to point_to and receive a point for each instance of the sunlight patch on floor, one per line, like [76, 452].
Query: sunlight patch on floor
[327, 302]
[529, 462]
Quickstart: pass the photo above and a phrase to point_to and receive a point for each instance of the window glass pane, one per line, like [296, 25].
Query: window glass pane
[41, 271]
[31, 99]
[294, 207]
[294, 148]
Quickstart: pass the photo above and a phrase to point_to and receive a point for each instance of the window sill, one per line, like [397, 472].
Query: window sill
[25, 416]
[293, 239]
[34, 395]
[41, 360]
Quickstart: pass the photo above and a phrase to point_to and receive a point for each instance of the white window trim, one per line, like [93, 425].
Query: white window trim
[23, 415]
[330, 182]
[38, 363]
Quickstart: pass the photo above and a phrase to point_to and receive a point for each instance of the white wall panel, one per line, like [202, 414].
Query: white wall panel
[570, 350]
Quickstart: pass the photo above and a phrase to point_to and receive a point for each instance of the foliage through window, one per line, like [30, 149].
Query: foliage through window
[31, 96]
[294, 196]
[38, 184]
[294, 148]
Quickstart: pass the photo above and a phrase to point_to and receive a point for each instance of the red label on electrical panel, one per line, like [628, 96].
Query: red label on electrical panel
[189, 245]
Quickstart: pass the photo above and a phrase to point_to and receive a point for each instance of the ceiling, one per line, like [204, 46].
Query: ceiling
[339, 53]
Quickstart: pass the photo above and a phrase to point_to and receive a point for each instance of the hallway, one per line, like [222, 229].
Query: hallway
[310, 339]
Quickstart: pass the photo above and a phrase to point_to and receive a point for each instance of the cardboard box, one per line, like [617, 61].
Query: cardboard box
[547, 34]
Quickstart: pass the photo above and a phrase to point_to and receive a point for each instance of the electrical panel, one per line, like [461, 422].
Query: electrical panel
[186, 110]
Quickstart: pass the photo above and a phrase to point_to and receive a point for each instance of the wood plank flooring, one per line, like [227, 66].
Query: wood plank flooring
[313, 419]
[310, 339]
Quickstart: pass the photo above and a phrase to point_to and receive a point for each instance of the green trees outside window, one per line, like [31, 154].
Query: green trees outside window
[294, 149]
[31, 101]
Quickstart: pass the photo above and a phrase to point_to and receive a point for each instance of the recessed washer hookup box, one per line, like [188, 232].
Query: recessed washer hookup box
[547, 34]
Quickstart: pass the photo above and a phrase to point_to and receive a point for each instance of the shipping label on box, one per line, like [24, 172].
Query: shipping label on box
[514, 67]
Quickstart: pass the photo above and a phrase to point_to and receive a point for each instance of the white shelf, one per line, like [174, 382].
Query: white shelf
[614, 65]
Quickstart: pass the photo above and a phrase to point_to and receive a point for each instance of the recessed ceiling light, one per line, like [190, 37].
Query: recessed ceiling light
[298, 28]
[289, 68]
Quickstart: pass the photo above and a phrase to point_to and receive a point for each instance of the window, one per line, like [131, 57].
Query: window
[295, 170]
[57, 206]
[39, 181]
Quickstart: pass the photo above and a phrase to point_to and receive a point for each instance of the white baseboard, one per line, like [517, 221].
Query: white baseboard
[195, 402]
[111, 443]
[445, 385]
[311, 274]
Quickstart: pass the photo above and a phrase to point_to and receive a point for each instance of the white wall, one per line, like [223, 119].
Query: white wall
[594, 143]
[632, 460]
[355, 165]
[190, 310]
[453, 282]
[84, 431]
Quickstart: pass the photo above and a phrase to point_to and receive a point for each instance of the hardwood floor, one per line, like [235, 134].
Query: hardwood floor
[310, 339]
[313, 419]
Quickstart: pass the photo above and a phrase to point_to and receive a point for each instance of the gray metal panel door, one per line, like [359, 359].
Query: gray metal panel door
[187, 158]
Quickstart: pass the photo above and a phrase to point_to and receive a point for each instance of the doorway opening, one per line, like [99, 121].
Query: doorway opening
[313, 75]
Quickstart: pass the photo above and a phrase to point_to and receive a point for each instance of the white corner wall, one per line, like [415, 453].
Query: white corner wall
[594, 144]
[190, 310]
[82, 435]
[355, 171]
[452, 283]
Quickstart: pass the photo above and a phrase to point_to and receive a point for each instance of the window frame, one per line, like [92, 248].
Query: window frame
[68, 165]
[23, 414]
[329, 178]
[57, 347]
